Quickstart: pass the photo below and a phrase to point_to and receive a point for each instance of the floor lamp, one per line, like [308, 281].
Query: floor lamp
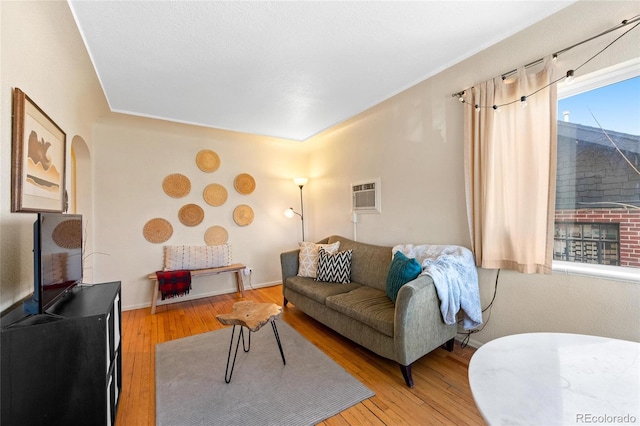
[290, 212]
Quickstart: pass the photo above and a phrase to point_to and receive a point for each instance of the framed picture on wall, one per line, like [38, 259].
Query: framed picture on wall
[37, 159]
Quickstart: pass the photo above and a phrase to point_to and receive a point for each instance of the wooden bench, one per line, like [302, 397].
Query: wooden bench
[236, 267]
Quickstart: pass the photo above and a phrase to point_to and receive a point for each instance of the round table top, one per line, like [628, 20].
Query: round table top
[556, 379]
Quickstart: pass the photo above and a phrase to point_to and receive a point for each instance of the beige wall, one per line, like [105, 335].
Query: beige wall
[42, 53]
[413, 142]
[134, 155]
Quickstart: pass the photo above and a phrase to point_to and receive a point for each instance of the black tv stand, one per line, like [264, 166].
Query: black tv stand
[63, 366]
[35, 320]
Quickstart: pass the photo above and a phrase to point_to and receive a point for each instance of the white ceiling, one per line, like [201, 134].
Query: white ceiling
[286, 69]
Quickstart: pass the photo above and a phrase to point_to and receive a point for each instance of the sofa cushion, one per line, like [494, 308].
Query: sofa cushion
[334, 267]
[316, 290]
[308, 257]
[369, 263]
[402, 270]
[367, 305]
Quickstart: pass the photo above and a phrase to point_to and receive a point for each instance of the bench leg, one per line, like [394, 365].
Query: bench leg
[240, 282]
[154, 297]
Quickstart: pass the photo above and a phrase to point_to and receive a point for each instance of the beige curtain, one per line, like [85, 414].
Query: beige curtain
[510, 170]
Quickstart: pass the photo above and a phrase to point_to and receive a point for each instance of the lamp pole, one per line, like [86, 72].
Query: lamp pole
[301, 181]
[301, 211]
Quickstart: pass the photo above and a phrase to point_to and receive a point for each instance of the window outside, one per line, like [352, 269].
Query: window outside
[597, 218]
[587, 242]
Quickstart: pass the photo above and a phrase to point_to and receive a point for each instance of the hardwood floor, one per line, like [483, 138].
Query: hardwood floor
[441, 394]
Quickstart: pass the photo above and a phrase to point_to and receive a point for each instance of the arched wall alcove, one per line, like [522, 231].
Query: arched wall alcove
[80, 197]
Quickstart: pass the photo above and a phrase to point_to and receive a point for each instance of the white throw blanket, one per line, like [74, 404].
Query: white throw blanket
[455, 276]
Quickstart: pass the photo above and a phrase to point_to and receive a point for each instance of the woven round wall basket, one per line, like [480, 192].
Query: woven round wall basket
[244, 183]
[243, 215]
[68, 234]
[176, 185]
[157, 230]
[191, 214]
[215, 194]
[216, 235]
[207, 161]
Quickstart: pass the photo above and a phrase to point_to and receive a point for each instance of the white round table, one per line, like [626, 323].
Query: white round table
[557, 379]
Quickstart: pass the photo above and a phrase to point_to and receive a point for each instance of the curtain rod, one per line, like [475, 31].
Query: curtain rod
[566, 49]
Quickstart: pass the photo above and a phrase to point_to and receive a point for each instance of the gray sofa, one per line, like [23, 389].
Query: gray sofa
[362, 311]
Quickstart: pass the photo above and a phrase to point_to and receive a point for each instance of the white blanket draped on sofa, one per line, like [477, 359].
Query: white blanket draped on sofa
[455, 277]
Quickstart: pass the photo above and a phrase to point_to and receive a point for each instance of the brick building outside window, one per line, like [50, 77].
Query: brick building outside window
[597, 218]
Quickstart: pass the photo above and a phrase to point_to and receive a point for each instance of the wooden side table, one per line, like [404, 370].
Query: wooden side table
[252, 316]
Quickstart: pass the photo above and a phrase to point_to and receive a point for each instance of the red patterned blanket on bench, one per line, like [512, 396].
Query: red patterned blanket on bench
[174, 283]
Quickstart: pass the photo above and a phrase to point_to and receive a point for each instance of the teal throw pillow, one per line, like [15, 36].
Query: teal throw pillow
[402, 271]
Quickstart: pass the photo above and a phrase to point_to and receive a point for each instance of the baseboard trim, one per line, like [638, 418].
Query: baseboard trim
[473, 343]
[199, 296]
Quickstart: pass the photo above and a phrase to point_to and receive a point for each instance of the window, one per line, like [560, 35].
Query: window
[587, 242]
[597, 219]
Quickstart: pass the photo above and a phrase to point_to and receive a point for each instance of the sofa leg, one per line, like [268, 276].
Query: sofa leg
[406, 373]
[449, 345]
[285, 301]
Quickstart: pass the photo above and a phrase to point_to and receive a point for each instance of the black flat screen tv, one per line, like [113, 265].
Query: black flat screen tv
[57, 259]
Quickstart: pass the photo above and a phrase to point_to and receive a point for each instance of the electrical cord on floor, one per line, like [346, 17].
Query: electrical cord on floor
[465, 341]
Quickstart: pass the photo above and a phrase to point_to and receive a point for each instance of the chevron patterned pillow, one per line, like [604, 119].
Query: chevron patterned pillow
[334, 267]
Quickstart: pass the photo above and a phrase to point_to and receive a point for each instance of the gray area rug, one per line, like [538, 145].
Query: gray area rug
[190, 386]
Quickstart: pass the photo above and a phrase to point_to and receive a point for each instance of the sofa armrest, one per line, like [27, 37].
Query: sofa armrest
[418, 324]
[289, 264]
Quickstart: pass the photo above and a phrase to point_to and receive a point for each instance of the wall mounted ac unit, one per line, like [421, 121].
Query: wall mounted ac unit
[365, 196]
